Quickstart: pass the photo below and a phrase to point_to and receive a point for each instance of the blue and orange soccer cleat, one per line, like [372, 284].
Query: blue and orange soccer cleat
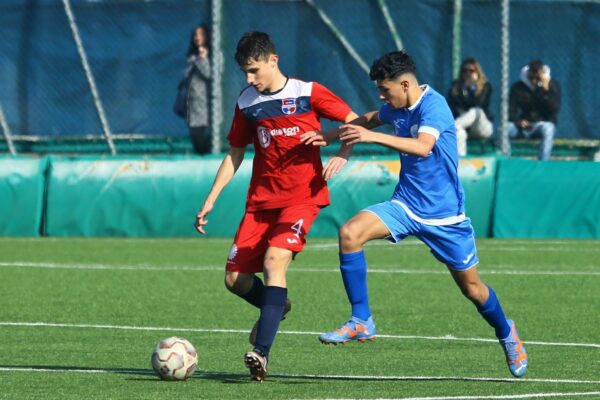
[516, 356]
[353, 329]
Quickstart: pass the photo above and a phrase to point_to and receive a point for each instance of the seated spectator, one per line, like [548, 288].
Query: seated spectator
[469, 100]
[533, 105]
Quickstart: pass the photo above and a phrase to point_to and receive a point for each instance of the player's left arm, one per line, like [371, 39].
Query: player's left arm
[326, 104]
[420, 146]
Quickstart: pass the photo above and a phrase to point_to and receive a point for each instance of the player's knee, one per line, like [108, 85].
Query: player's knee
[274, 264]
[474, 292]
[349, 236]
[269, 263]
[229, 282]
[233, 283]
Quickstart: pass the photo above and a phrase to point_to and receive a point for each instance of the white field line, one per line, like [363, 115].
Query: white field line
[511, 247]
[245, 331]
[326, 268]
[308, 376]
[499, 396]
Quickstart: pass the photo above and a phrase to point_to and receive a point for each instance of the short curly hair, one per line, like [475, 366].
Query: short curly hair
[392, 65]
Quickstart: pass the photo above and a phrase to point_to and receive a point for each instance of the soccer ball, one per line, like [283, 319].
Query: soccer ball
[174, 359]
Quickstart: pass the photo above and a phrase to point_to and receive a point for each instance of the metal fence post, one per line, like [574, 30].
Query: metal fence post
[504, 60]
[216, 103]
[6, 132]
[90, 77]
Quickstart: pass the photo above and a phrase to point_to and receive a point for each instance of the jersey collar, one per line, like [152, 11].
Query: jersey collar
[425, 90]
[266, 93]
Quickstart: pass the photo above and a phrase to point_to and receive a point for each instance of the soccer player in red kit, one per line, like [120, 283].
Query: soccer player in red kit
[287, 189]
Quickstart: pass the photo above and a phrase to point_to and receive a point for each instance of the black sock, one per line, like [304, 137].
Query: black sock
[255, 294]
[271, 312]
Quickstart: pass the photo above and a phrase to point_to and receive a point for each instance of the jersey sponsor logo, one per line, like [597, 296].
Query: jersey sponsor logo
[265, 135]
[288, 106]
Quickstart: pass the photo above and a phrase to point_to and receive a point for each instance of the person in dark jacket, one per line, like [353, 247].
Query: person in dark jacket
[533, 104]
[469, 100]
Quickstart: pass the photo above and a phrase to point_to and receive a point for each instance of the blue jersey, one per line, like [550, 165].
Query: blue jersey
[428, 189]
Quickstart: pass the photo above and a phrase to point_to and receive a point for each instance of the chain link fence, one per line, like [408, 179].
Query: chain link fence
[103, 73]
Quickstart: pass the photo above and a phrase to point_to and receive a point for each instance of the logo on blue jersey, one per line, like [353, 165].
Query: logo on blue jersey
[288, 106]
[414, 130]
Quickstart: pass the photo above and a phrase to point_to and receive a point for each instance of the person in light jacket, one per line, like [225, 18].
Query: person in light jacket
[197, 74]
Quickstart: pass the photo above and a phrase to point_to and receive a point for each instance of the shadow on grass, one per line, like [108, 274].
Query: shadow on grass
[231, 377]
[70, 368]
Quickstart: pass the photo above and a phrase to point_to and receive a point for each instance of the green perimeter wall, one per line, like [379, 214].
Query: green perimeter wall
[159, 197]
[21, 196]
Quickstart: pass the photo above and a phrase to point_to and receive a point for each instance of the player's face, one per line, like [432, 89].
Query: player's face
[261, 74]
[394, 92]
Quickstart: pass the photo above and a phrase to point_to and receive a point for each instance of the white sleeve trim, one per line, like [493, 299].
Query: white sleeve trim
[430, 130]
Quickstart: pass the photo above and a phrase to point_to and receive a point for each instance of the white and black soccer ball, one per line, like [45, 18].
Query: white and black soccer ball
[174, 359]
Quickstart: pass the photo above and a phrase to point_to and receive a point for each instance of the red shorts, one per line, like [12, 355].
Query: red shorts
[285, 228]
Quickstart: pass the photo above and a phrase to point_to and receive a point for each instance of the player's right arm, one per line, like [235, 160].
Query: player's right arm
[369, 120]
[227, 170]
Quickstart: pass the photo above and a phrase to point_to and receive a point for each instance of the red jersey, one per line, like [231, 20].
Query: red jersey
[285, 171]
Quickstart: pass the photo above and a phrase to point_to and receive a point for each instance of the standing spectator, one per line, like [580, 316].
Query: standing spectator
[533, 105]
[469, 100]
[197, 76]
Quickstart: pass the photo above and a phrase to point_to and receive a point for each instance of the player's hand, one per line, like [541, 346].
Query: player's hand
[352, 134]
[201, 217]
[315, 138]
[333, 166]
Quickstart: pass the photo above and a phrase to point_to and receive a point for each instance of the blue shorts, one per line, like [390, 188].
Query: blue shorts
[453, 245]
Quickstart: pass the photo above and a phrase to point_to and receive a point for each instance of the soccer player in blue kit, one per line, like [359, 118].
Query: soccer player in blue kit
[428, 202]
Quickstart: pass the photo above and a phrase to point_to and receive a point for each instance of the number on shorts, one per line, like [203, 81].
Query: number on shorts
[297, 227]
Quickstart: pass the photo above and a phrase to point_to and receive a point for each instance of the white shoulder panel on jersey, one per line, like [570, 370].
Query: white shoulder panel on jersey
[293, 89]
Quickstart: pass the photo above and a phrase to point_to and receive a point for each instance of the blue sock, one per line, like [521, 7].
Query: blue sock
[492, 312]
[255, 294]
[354, 274]
[271, 311]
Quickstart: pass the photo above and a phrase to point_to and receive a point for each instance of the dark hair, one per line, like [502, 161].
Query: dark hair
[536, 65]
[254, 46]
[192, 48]
[481, 80]
[392, 65]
